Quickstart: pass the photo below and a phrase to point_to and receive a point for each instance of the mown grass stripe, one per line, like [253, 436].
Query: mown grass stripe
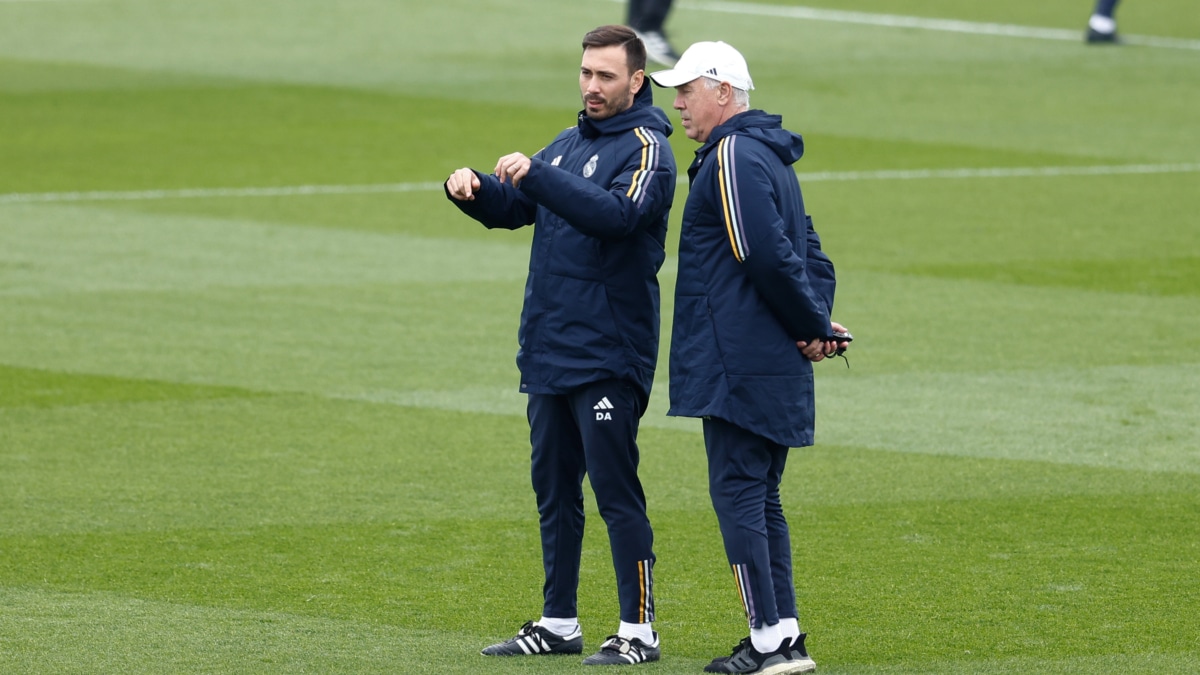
[206, 193]
[391, 188]
[922, 23]
[1002, 172]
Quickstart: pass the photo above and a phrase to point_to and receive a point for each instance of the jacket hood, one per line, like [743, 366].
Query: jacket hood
[641, 114]
[764, 127]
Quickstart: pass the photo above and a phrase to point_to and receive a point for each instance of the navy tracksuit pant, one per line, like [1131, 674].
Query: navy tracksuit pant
[591, 430]
[744, 472]
[647, 14]
[1105, 8]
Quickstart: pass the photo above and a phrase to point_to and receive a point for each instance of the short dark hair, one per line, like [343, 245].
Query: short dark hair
[619, 36]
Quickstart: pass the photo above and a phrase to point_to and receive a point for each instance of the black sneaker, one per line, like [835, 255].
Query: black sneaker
[799, 653]
[657, 47]
[533, 639]
[1095, 37]
[746, 659]
[617, 651]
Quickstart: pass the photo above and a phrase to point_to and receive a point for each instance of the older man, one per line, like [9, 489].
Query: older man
[752, 312]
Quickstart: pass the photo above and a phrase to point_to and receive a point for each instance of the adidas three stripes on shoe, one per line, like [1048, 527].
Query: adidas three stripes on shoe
[533, 639]
[790, 658]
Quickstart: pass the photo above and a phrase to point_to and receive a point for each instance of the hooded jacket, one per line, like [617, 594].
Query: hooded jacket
[599, 196]
[752, 282]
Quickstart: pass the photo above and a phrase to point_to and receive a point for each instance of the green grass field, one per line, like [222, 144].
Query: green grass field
[248, 426]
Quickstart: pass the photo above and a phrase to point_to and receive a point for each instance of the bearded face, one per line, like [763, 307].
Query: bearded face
[605, 83]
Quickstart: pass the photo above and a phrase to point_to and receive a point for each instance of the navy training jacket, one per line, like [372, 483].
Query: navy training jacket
[599, 196]
[752, 282]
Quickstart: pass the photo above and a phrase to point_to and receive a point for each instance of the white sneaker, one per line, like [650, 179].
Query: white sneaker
[657, 48]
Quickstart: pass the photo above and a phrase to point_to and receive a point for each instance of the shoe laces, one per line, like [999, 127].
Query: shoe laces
[745, 644]
[616, 643]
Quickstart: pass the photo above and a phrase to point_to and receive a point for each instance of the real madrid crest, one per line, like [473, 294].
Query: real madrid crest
[590, 167]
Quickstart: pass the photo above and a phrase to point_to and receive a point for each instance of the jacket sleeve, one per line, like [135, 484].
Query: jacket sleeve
[638, 195]
[497, 205]
[821, 275]
[777, 267]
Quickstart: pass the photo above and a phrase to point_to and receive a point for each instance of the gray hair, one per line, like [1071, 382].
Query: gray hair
[741, 97]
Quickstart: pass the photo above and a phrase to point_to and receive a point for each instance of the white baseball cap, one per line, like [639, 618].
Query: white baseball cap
[714, 60]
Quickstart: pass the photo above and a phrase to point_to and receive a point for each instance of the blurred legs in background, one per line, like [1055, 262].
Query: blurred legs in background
[1102, 27]
[647, 17]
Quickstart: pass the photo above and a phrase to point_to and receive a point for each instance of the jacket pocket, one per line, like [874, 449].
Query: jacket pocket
[694, 346]
[579, 322]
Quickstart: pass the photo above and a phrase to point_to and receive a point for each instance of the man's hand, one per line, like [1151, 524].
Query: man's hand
[813, 351]
[835, 345]
[817, 350]
[462, 185]
[512, 168]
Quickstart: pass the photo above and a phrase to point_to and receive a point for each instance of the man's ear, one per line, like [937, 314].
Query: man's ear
[724, 93]
[639, 79]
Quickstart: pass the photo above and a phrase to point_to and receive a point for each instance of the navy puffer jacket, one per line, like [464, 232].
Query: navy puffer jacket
[599, 196]
[752, 282]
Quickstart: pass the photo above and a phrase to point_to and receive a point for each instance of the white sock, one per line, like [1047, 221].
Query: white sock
[641, 631]
[766, 639]
[1102, 24]
[560, 627]
[790, 628]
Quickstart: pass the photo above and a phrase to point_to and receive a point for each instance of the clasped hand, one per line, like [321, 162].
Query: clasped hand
[818, 350]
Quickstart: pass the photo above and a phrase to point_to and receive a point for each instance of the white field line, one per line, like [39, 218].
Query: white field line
[395, 188]
[211, 193]
[945, 25]
[1014, 172]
